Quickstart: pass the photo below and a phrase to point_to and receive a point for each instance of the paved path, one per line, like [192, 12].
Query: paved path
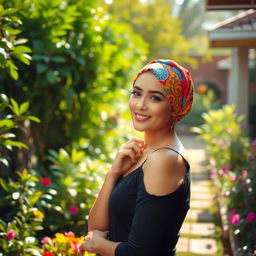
[200, 234]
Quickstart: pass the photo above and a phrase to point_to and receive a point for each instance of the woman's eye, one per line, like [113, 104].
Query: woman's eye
[156, 98]
[135, 93]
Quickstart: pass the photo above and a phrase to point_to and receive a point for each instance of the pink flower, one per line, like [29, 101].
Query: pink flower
[73, 209]
[69, 234]
[229, 130]
[212, 175]
[244, 175]
[223, 170]
[232, 212]
[10, 234]
[232, 177]
[45, 181]
[234, 219]
[251, 216]
[254, 143]
[45, 240]
[76, 247]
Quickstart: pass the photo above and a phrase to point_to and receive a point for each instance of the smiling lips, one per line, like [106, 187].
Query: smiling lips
[140, 117]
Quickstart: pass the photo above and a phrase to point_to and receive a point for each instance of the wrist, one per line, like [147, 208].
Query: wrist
[113, 174]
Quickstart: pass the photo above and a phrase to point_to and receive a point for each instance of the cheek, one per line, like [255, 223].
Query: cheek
[131, 103]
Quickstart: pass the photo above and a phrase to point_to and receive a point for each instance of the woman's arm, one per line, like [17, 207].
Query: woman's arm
[128, 155]
[99, 216]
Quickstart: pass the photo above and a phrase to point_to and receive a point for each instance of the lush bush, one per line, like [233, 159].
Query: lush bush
[71, 185]
[23, 216]
[203, 102]
[233, 165]
[82, 59]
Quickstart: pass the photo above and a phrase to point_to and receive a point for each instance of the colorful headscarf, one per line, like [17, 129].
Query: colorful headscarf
[176, 82]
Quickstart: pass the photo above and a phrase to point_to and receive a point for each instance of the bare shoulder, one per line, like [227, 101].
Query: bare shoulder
[164, 172]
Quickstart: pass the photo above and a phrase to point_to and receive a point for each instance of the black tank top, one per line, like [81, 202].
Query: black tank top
[145, 224]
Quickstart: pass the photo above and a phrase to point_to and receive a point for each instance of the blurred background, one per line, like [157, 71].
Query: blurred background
[66, 72]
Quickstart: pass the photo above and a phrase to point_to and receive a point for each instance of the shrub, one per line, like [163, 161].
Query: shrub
[233, 168]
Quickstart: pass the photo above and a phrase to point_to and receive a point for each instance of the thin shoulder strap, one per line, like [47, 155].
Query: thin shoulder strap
[188, 165]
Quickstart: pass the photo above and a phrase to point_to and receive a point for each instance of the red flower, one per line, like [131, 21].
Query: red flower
[45, 181]
[45, 253]
[73, 209]
[251, 216]
[10, 234]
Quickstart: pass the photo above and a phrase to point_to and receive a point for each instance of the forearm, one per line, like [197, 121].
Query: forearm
[99, 213]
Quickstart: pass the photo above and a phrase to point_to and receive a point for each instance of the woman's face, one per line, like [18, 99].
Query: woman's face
[150, 108]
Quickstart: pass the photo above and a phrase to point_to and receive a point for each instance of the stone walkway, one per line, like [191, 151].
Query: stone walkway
[200, 234]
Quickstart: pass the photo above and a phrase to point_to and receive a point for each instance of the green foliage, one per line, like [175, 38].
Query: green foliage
[81, 57]
[233, 168]
[75, 182]
[154, 22]
[202, 103]
[9, 122]
[223, 136]
[23, 218]
[11, 47]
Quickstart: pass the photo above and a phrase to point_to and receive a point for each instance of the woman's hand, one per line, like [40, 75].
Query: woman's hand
[128, 154]
[92, 241]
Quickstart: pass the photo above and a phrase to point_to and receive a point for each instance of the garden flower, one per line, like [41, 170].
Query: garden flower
[231, 213]
[68, 234]
[254, 143]
[251, 216]
[45, 253]
[223, 170]
[73, 209]
[234, 219]
[45, 181]
[232, 177]
[229, 130]
[38, 214]
[10, 234]
[46, 240]
[212, 175]
[202, 89]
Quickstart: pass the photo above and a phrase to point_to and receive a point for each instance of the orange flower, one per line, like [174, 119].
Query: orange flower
[202, 89]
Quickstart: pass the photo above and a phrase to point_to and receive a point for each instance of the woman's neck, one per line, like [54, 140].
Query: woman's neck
[154, 140]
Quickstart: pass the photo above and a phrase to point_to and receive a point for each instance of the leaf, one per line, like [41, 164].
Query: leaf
[3, 184]
[23, 57]
[58, 59]
[41, 67]
[13, 70]
[15, 106]
[24, 107]
[22, 49]
[6, 124]
[50, 76]
[33, 118]
[4, 98]
[4, 161]
[13, 143]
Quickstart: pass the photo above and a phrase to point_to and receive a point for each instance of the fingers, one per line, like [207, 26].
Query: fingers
[140, 142]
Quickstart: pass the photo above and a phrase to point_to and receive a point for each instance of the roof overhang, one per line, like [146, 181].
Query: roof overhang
[229, 4]
[238, 31]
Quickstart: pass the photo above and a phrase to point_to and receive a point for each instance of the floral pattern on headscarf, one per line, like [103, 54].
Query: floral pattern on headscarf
[176, 82]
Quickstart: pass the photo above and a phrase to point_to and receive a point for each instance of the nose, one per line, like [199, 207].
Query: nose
[142, 103]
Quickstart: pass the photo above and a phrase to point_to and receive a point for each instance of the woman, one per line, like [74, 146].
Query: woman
[145, 196]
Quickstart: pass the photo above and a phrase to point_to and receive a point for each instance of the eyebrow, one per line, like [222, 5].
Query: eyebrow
[150, 91]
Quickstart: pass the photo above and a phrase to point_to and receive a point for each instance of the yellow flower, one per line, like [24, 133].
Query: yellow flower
[38, 214]
[39, 193]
